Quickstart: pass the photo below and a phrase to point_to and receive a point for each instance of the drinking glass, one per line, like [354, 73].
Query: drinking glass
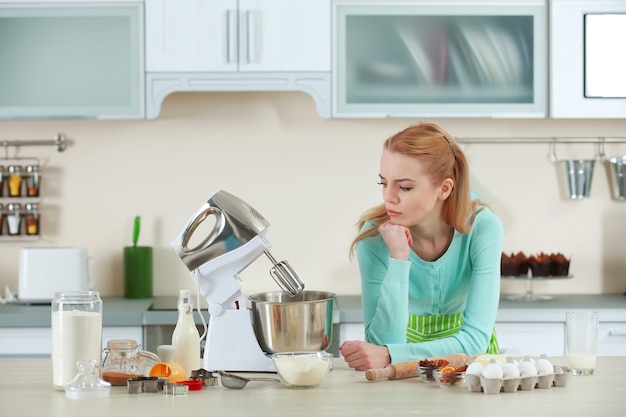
[581, 341]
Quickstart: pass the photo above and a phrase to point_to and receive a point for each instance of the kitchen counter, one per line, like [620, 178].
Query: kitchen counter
[162, 310]
[612, 307]
[27, 391]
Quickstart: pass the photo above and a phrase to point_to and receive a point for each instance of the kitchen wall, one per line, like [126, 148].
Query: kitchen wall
[311, 178]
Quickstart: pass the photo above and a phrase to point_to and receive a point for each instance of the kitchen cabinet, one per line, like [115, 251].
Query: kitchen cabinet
[237, 45]
[612, 338]
[440, 59]
[587, 63]
[74, 59]
[37, 341]
[534, 339]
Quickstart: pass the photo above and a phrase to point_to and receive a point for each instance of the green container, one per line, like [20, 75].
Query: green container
[138, 271]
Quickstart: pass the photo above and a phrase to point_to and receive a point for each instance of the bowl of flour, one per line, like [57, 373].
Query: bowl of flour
[302, 369]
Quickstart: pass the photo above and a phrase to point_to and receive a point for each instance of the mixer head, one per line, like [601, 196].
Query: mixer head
[237, 239]
[236, 223]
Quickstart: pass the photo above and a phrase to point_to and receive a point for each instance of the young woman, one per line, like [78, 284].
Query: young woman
[429, 257]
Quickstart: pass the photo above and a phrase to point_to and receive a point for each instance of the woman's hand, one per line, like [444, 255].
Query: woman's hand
[397, 238]
[363, 356]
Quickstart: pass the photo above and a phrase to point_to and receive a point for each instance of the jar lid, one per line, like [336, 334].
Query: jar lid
[14, 206]
[32, 206]
[122, 344]
[32, 168]
[87, 384]
[15, 168]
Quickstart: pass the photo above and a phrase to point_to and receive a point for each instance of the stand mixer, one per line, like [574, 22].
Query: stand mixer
[236, 240]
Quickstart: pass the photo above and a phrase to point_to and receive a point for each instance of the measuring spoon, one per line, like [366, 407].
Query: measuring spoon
[238, 382]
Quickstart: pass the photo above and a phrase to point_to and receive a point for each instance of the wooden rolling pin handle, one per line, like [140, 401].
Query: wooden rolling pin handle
[373, 374]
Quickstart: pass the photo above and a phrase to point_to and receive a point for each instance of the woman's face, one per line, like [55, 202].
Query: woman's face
[410, 197]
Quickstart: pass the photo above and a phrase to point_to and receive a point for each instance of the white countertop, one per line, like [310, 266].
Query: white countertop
[26, 390]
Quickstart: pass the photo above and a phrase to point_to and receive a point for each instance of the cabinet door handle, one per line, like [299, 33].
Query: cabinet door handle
[231, 36]
[250, 37]
[613, 333]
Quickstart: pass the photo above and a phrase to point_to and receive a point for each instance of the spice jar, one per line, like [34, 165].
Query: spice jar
[125, 361]
[1, 180]
[15, 181]
[1, 218]
[32, 180]
[14, 218]
[31, 218]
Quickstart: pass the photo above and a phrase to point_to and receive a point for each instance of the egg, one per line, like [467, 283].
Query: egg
[544, 366]
[510, 370]
[493, 370]
[527, 368]
[474, 368]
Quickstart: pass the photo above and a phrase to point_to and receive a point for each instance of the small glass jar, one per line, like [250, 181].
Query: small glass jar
[1, 180]
[76, 333]
[14, 219]
[33, 180]
[1, 218]
[31, 218]
[125, 361]
[15, 181]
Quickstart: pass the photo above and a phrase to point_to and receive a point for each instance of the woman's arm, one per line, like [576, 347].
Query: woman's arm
[384, 293]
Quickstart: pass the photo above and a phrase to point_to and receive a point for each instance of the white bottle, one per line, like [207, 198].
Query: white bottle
[186, 338]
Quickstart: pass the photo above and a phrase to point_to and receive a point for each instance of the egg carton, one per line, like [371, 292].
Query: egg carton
[479, 383]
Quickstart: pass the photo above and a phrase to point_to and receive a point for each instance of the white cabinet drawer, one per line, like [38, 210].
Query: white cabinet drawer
[612, 339]
[533, 339]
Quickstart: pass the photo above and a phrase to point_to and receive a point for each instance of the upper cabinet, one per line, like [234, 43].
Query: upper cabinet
[587, 61]
[237, 35]
[238, 45]
[439, 59]
[71, 60]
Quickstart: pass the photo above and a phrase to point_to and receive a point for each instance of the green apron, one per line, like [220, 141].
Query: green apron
[425, 328]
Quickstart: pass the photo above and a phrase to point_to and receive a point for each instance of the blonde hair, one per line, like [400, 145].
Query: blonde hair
[442, 158]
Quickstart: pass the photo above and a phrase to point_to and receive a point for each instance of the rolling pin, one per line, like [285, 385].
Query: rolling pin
[398, 370]
[408, 369]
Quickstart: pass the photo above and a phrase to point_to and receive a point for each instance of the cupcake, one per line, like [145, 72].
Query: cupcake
[506, 265]
[539, 265]
[559, 265]
[520, 264]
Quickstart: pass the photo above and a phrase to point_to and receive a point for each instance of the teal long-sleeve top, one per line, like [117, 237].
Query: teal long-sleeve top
[466, 278]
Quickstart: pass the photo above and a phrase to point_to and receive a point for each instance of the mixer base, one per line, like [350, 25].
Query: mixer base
[232, 345]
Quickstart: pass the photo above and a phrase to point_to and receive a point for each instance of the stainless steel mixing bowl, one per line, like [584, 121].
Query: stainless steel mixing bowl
[283, 323]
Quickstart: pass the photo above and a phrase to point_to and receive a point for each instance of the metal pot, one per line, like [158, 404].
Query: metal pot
[284, 323]
[617, 175]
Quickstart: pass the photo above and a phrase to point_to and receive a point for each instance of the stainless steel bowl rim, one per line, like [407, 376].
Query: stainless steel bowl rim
[260, 297]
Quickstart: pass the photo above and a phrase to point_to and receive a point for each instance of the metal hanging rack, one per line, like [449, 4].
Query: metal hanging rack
[541, 140]
[59, 141]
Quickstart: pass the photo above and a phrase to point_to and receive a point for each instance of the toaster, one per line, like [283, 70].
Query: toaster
[46, 270]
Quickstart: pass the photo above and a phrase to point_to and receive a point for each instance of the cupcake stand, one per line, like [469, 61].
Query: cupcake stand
[530, 295]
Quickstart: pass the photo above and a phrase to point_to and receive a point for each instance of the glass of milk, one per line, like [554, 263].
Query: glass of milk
[581, 341]
[76, 333]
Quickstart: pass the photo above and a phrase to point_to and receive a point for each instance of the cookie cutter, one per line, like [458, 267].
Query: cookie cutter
[209, 379]
[175, 389]
[144, 384]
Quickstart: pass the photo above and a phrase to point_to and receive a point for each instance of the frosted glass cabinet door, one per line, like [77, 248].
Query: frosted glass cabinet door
[433, 59]
[71, 60]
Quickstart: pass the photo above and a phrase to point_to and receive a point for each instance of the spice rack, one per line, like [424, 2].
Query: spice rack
[20, 185]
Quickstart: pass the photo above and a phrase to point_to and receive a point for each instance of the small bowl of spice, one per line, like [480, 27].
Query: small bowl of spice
[302, 369]
[426, 367]
[450, 377]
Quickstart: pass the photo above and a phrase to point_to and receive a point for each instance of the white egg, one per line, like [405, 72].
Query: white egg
[510, 370]
[474, 368]
[493, 370]
[527, 368]
[544, 366]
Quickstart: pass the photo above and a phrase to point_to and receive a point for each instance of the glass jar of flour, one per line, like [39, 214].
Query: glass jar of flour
[76, 333]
